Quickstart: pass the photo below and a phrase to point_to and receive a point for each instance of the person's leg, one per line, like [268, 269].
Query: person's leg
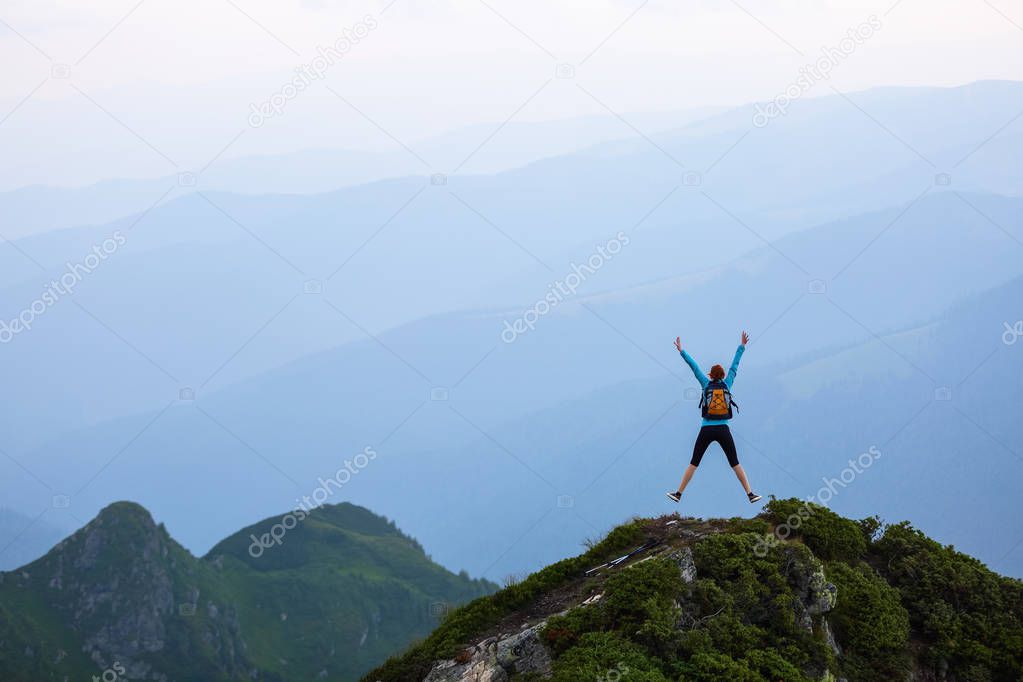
[741, 475]
[728, 445]
[686, 477]
[703, 441]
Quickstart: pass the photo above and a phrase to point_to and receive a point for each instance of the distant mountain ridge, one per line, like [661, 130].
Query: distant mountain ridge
[565, 412]
[35, 209]
[23, 539]
[329, 596]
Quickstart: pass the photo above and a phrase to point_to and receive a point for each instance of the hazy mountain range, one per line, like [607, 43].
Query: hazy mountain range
[817, 387]
[478, 149]
[867, 278]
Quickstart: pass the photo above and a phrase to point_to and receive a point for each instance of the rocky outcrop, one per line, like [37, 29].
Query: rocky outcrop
[815, 595]
[496, 659]
[829, 637]
[524, 652]
[114, 582]
[930, 675]
[683, 558]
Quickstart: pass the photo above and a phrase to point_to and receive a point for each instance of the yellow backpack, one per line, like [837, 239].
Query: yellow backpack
[717, 402]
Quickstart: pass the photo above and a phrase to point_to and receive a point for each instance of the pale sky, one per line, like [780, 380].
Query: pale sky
[183, 75]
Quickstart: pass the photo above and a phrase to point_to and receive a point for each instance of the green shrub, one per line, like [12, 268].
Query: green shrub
[772, 666]
[829, 535]
[562, 632]
[713, 667]
[606, 656]
[742, 602]
[970, 618]
[871, 624]
[753, 582]
[631, 596]
[756, 525]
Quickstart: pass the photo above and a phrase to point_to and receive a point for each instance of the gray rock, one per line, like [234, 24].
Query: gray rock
[480, 667]
[829, 637]
[821, 596]
[686, 566]
[938, 674]
[816, 596]
[524, 653]
[497, 658]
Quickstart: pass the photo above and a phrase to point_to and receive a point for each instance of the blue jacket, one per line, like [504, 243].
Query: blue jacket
[704, 379]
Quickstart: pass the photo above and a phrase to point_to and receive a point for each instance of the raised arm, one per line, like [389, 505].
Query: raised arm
[697, 372]
[734, 369]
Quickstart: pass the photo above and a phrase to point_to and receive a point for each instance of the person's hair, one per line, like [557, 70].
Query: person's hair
[717, 372]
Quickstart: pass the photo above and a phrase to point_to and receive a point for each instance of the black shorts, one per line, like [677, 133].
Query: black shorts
[715, 434]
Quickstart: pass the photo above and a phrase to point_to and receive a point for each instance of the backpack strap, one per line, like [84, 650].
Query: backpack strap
[731, 402]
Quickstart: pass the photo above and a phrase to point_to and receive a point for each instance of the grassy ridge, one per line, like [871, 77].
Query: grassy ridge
[903, 604]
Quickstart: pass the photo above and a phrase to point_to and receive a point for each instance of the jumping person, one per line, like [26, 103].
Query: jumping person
[716, 406]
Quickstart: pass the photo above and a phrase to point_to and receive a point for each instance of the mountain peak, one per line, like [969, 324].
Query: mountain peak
[326, 534]
[121, 533]
[125, 514]
[797, 593]
[124, 507]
